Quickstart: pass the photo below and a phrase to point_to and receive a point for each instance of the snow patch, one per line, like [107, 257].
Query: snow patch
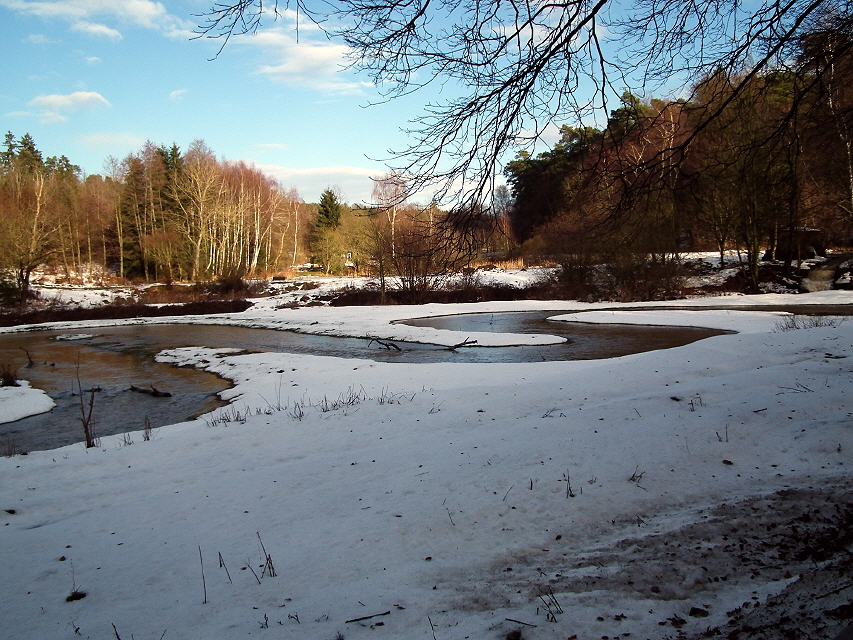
[740, 321]
[23, 401]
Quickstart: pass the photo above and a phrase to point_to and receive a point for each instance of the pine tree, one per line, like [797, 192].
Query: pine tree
[8, 155]
[28, 157]
[329, 213]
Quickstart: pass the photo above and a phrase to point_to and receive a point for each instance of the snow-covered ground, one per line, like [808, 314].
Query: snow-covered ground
[740, 321]
[303, 289]
[382, 322]
[309, 289]
[83, 296]
[712, 274]
[446, 498]
[23, 401]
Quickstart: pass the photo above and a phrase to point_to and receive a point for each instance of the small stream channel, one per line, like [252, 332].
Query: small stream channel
[114, 358]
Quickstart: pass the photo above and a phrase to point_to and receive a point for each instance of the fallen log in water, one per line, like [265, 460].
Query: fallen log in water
[153, 391]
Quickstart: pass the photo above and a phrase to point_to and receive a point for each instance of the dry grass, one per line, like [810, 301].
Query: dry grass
[8, 376]
[9, 448]
[505, 265]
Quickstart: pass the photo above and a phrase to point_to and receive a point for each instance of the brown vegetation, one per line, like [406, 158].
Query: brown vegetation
[111, 312]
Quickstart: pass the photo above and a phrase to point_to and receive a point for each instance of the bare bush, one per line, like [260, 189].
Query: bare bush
[86, 412]
[796, 322]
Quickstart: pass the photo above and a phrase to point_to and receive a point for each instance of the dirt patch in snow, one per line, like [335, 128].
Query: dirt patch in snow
[775, 566]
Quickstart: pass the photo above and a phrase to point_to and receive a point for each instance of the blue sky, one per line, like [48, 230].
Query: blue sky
[92, 78]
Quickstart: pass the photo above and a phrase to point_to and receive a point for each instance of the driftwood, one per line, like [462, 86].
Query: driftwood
[384, 343]
[153, 391]
[467, 342]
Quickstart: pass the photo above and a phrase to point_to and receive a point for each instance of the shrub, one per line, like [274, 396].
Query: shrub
[795, 322]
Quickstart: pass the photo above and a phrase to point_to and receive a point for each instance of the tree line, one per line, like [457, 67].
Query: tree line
[159, 215]
[770, 174]
[163, 215]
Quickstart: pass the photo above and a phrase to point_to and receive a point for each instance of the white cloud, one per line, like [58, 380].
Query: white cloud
[96, 29]
[271, 146]
[17, 114]
[178, 94]
[82, 14]
[354, 182]
[37, 39]
[180, 30]
[543, 137]
[92, 59]
[142, 12]
[53, 105]
[70, 101]
[289, 16]
[318, 65]
[115, 142]
[51, 117]
[321, 171]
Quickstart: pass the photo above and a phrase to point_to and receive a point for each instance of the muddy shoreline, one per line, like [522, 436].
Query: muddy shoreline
[13, 318]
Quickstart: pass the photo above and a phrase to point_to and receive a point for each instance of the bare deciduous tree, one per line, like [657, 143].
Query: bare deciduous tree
[29, 229]
[389, 194]
[523, 66]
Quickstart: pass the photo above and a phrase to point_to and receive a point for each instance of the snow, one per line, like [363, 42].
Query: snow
[740, 321]
[435, 492]
[312, 289]
[384, 322]
[23, 401]
[712, 279]
[300, 290]
[72, 337]
[84, 297]
[711, 275]
[516, 278]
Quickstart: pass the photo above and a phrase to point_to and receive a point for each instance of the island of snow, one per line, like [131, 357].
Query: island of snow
[22, 402]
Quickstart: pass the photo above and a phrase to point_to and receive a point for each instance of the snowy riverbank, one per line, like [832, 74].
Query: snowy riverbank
[449, 495]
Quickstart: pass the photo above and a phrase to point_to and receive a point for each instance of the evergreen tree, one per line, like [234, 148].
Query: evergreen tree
[131, 212]
[329, 213]
[28, 157]
[543, 186]
[62, 167]
[8, 154]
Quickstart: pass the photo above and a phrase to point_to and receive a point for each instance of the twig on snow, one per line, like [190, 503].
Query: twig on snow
[363, 618]
[203, 582]
[526, 624]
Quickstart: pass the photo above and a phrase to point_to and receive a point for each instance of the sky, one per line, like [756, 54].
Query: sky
[96, 78]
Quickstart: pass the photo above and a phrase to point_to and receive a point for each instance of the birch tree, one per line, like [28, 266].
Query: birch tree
[389, 194]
